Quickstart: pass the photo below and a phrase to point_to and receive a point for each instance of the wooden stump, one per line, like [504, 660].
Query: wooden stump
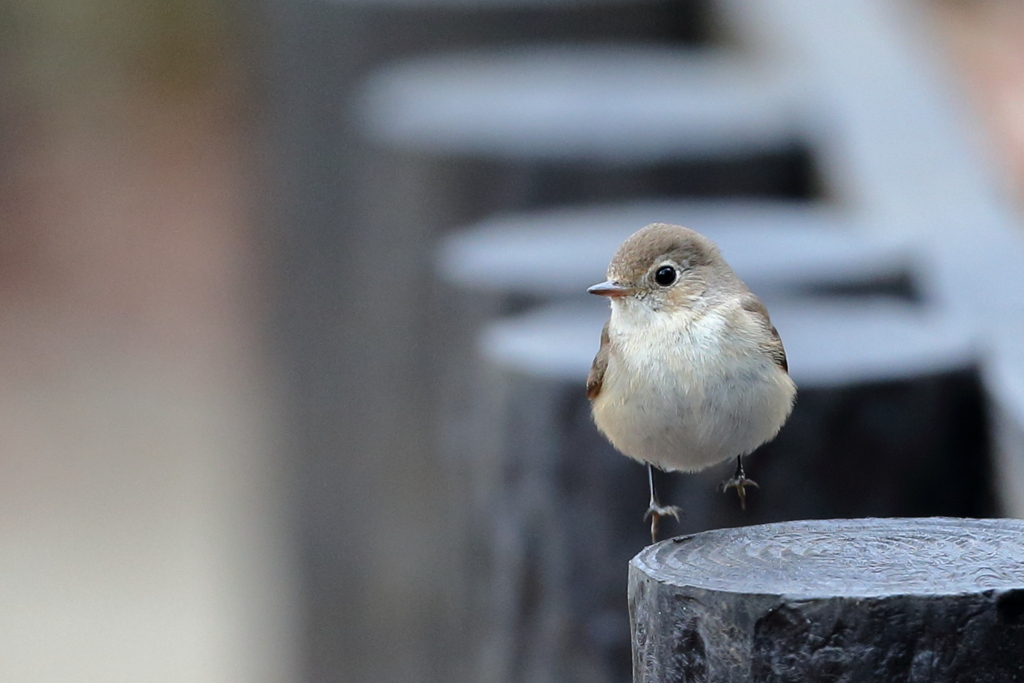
[935, 599]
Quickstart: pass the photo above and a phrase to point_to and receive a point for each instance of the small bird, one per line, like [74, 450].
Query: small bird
[691, 371]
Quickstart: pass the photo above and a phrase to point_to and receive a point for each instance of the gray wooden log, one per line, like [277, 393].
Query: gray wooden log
[932, 599]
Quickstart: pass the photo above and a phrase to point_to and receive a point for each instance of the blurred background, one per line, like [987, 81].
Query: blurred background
[293, 331]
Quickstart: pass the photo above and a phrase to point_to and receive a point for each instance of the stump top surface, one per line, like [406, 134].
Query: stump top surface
[849, 557]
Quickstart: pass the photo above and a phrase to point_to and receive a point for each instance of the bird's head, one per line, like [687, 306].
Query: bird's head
[664, 267]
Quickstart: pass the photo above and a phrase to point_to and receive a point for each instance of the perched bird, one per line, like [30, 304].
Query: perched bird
[691, 371]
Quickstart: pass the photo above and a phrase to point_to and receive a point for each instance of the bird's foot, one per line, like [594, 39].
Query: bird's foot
[739, 482]
[655, 512]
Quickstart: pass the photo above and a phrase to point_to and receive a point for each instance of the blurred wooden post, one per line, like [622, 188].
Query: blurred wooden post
[935, 599]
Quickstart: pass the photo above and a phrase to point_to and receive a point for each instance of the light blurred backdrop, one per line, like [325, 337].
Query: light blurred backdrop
[293, 332]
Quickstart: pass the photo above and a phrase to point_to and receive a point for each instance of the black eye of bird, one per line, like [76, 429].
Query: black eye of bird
[665, 276]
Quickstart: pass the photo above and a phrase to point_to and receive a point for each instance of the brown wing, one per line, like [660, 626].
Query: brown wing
[773, 346]
[596, 378]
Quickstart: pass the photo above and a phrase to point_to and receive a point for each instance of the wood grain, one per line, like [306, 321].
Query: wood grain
[935, 599]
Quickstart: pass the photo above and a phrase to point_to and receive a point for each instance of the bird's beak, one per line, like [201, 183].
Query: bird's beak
[610, 288]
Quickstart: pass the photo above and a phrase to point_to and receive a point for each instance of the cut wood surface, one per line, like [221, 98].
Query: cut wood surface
[934, 599]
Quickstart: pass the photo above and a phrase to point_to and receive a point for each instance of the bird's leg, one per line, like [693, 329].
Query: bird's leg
[739, 482]
[656, 511]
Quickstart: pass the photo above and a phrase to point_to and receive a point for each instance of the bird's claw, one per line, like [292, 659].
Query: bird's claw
[662, 511]
[740, 483]
[655, 512]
